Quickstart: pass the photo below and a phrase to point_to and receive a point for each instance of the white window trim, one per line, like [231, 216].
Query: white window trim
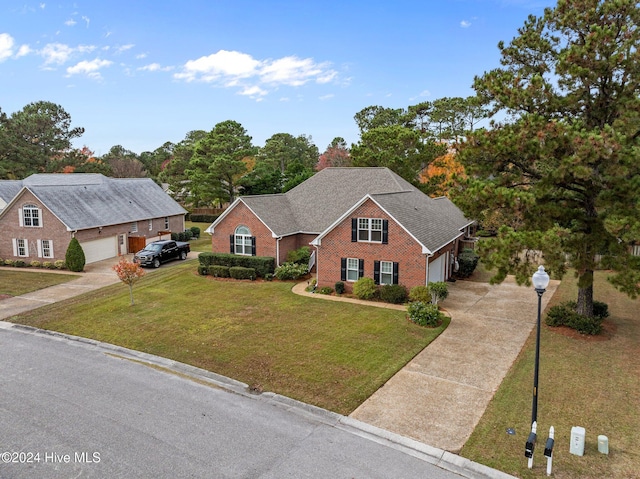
[134, 227]
[16, 249]
[21, 218]
[243, 242]
[369, 229]
[41, 249]
[390, 273]
[357, 269]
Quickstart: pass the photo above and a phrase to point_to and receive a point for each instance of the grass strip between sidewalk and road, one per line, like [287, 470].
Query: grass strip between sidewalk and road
[329, 354]
[14, 282]
[593, 382]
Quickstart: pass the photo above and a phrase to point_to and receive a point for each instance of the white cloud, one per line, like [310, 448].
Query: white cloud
[59, 53]
[86, 19]
[42, 5]
[465, 24]
[124, 48]
[327, 97]
[71, 22]
[236, 69]
[6, 46]
[140, 56]
[23, 50]
[88, 68]
[155, 67]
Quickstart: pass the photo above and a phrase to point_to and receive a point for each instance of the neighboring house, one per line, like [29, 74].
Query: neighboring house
[358, 222]
[40, 214]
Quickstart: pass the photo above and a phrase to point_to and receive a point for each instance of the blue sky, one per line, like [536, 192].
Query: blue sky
[138, 73]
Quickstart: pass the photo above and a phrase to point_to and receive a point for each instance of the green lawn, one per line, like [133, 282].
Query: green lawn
[584, 381]
[204, 242]
[16, 282]
[330, 354]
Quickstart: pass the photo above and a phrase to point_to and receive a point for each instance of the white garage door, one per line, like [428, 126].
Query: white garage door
[436, 269]
[100, 249]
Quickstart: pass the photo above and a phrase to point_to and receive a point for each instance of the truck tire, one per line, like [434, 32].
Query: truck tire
[156, 263]
[183, 255]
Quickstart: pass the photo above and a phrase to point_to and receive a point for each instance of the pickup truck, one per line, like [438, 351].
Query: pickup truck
[160, 252]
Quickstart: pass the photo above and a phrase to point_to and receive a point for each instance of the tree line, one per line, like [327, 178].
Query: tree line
[212, 168]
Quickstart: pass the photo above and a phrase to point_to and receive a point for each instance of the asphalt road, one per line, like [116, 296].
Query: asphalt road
[76, 408]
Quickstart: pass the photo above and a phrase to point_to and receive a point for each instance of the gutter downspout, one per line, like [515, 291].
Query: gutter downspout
[278, 250]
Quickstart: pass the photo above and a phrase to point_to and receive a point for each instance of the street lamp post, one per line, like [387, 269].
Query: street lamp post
[540, 281]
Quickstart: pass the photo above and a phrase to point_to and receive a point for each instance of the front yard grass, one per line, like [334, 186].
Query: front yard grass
[593, 382]
[333, 355]
[16, 282]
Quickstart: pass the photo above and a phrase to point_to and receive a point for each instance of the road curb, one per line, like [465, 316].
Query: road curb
[438, 457]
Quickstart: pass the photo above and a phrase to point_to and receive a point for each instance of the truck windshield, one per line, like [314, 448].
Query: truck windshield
[154, 248]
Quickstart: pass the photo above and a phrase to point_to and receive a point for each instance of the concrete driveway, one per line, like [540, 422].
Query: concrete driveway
[439, 397]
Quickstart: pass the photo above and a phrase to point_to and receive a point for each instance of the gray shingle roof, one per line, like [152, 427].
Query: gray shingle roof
[313, 206]
[84, 200]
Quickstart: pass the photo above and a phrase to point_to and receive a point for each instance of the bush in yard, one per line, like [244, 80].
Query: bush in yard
[339, 286]
[299, 256]
[365, 288]
[565, 314]
[420, 293]
[393, 293]
[219, 271]
[467, 260]
[8, 262]
[195, 231]
[424, 314]
[240, 272]
[206, 259]
[59, 264]
[19, 263]
[438, 290]
[203, 270]
[74, 258]
[290, 271]
[35, 264]
[48, 265]
[326, 290]
[262, 264]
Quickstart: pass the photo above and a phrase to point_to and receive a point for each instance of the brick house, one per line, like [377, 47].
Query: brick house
[40, 214]
[358, 222]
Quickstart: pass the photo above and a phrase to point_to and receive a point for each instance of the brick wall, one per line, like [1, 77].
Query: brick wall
[242, 216]
[401, 249]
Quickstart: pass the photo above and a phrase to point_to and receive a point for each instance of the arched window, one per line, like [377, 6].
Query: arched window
[31, 216]
[243, 243]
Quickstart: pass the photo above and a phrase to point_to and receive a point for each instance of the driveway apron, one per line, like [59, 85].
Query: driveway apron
[439, 397]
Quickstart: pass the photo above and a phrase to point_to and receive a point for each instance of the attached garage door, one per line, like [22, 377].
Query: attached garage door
[437, 269]
[100, 249]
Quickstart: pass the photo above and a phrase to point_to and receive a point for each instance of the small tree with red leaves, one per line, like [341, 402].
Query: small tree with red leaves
[128, 272]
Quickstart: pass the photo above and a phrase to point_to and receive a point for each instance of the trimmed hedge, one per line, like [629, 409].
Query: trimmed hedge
[203, 218]
[240, 272]
[220, 271]
[565, 314]
[467, 260]
[263, 265]
[186, 235]
[365, 288]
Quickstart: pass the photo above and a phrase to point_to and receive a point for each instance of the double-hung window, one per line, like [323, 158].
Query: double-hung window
[243, 241]
[47, 248]
[31, 216]
[370, 230]
[352, 269]
[386, 272]
[20, 247]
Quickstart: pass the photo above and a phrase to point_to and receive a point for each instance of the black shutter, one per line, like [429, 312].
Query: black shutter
[343, 269]
[376, 272]
[385, 231]
[253, 246]
[360, 268]
[396, 267]
[232, 244]
[354, 230]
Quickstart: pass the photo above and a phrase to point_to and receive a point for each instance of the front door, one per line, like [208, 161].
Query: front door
[122, 244]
